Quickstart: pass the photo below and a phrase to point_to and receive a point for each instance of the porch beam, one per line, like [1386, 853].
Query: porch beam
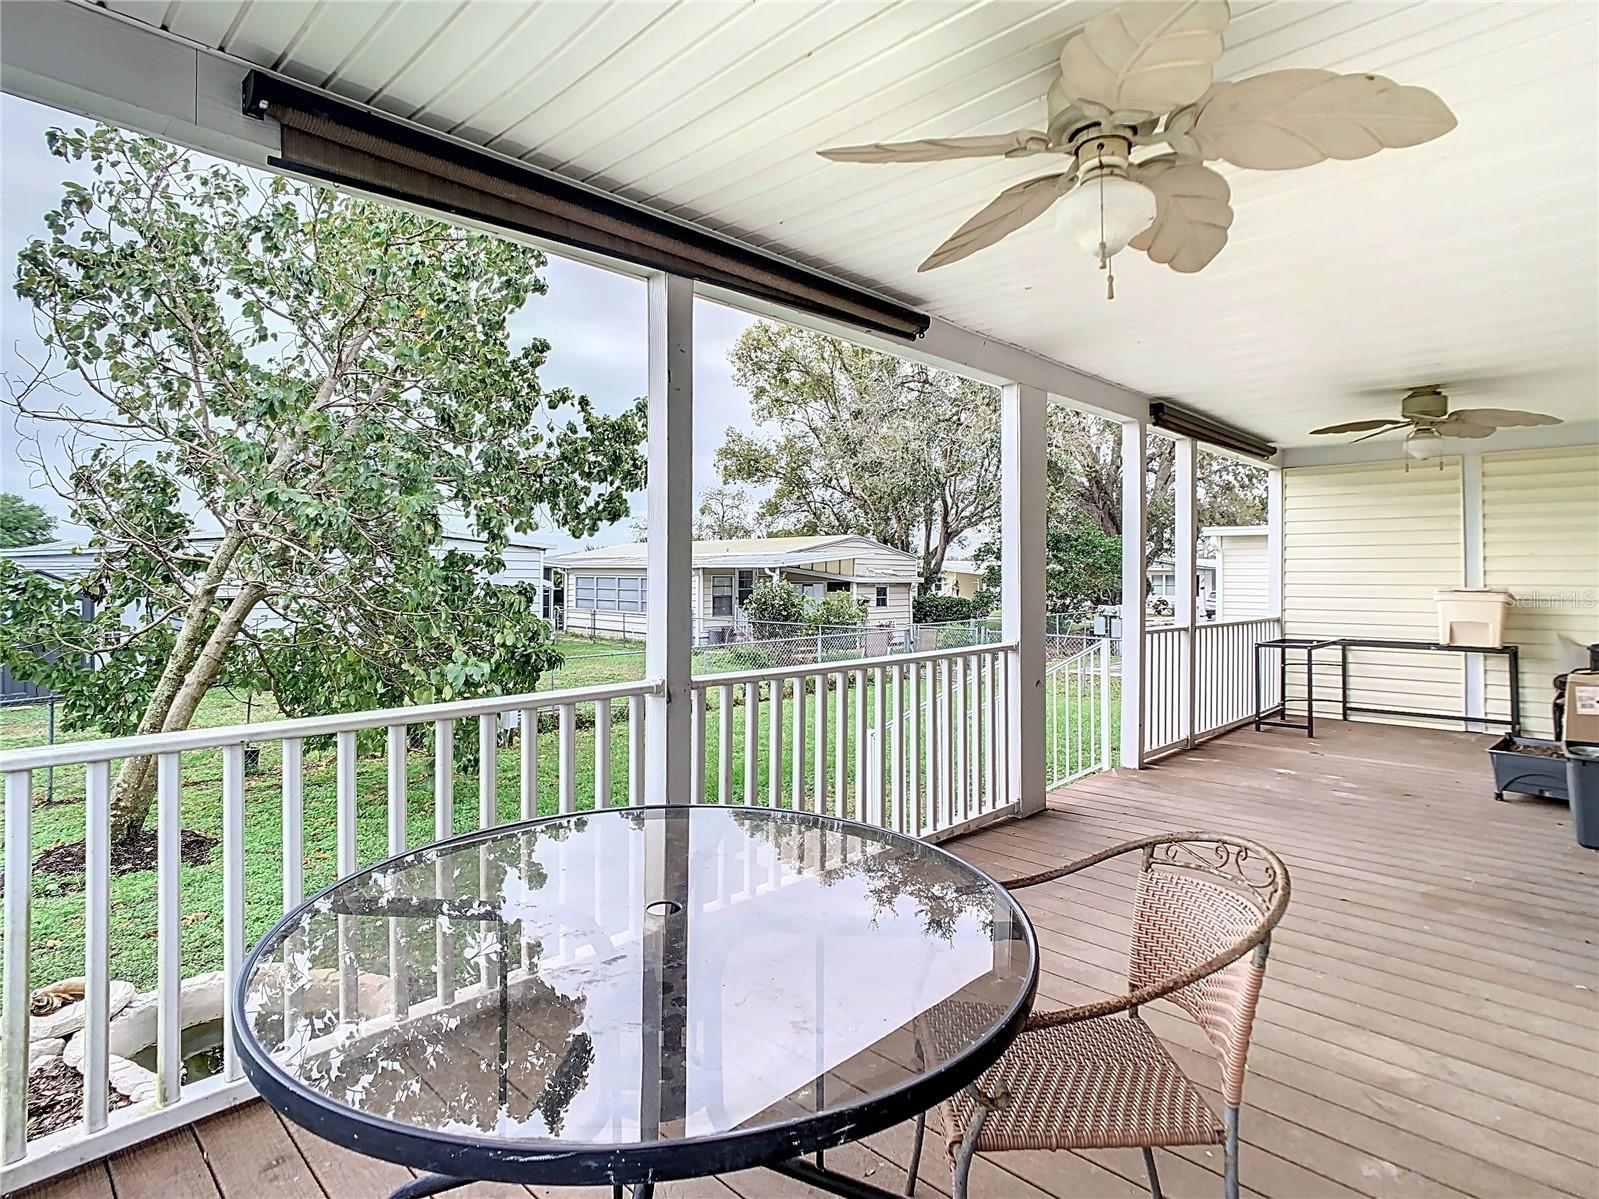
[669, 624]
[1135, 450]
[1024, 501]
[1185, 560]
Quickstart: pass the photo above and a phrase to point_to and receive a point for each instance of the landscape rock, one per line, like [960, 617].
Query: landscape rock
[68, 1020]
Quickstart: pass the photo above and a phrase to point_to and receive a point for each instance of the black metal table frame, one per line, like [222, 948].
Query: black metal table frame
[1282, 645]
[452, 1160]
[1510, 653]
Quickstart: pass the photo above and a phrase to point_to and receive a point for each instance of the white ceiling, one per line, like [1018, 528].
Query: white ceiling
[1472, 257]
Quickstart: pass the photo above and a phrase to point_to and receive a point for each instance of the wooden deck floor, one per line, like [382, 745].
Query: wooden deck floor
[1430, 1024]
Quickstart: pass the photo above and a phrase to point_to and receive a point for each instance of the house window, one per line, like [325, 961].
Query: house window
[721, 595]
[834, 585]
[882, 597]
[746, 584]
[609, 593]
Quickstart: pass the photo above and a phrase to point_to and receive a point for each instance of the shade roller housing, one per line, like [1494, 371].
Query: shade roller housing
[1201, 428]
[341, 143]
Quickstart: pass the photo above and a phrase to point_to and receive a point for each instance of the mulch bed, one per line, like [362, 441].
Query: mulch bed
[140, 854]
[55, 1098]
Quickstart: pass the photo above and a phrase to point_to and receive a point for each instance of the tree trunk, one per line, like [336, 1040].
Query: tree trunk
[135, 782]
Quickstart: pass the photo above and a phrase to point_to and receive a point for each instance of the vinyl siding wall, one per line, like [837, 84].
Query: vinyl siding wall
[1366, 546]
[1241, 568]
[1540, 532]
[898, 611]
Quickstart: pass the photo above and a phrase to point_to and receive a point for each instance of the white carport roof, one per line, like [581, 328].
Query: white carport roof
[1343, 285]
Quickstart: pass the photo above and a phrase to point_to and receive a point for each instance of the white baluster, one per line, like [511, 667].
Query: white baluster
[19, 890]
[528, 763]
[168, 1053]
[724, 744]
[96, 940]
[232, 895]
[602, 754]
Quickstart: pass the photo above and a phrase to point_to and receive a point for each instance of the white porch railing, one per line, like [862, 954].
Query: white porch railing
[383, 808]
[918, 743]
[1078, 710]
[1200, 682]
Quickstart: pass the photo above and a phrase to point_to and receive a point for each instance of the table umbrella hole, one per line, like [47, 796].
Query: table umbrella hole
[663, 907]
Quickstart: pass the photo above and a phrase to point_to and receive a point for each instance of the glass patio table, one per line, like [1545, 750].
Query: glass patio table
[634, 995]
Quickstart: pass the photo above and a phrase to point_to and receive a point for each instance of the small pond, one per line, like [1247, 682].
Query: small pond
[201, 1046]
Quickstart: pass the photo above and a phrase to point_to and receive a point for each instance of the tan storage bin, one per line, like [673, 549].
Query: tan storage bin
[1472, 616]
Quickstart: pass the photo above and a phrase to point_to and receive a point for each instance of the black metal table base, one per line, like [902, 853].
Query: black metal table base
[811, 1173]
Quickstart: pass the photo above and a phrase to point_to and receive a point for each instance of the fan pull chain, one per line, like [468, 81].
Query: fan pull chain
[1104, 258]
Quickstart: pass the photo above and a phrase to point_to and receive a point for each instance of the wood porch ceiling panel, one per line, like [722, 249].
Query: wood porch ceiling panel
[1469, 255]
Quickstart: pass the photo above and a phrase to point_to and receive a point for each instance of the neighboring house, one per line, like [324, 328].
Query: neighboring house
[524, 559]
[1242, 571]
[1162, 574]
[605, 588]
[58, 559]
[961, 576]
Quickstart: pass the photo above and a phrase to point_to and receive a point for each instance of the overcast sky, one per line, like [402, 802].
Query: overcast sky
[593, 319]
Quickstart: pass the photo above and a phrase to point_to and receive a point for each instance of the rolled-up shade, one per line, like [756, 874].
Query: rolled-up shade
[340, 143]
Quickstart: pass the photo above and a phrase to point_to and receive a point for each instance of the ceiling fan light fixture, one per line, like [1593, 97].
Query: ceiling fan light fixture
[1424, 444]
[1105, 207]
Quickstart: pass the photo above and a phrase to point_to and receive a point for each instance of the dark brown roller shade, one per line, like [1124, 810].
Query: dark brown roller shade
[340, 143]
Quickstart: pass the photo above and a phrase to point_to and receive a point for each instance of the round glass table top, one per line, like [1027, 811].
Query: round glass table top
[634, 992]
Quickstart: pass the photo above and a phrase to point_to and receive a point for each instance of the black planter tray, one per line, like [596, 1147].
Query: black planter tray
[1528, 773]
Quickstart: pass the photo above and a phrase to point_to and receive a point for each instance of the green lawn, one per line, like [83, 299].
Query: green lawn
[57, 930]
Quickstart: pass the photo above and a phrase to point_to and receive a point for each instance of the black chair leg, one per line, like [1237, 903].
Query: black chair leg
[916, 1153]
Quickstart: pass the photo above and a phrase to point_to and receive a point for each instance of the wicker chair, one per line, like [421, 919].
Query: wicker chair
[1095, 1076]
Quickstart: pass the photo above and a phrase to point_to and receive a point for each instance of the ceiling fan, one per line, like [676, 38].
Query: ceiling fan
[1141, 75]
[1425, 412]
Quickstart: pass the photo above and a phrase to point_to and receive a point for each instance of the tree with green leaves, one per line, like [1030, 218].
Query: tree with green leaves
[22, 522]
[288, 393]
[1082, 568]
[1085, 473]
[863, 442]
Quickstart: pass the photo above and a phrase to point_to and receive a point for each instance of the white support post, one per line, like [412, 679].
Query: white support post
[1023, 505]
[1185, 559]
[668, 654]
[1472, 576]
[1274, 541]
[1135, 439]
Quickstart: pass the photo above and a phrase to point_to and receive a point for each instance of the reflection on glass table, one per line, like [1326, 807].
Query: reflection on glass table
[632, 995]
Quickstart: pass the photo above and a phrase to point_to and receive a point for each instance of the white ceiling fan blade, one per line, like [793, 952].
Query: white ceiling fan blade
[1360, 426]
[1192, 213]
[1003, 215]
[1503, 418]
[1378, 433]
[1149, 56]
[1286, 119]
[1018, 144]
[1451, 426]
